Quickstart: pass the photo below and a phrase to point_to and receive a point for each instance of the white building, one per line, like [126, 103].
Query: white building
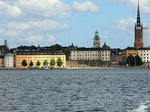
[144, 53]
[9, 60]
[102, 54]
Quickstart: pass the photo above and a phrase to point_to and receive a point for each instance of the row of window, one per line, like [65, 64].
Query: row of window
[41, 53]
[91, 52]
[92, 58]
[41, 57]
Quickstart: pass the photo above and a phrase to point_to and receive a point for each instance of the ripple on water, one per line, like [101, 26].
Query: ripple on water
[74, 90]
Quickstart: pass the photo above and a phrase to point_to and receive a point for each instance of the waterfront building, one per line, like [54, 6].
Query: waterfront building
[1, 61]
[105, 53]
[38, 55]
[9, 60]
[102, 54]
[144, 53]
[129, 51]
[96, 39]
[116, 56]
[138, 43]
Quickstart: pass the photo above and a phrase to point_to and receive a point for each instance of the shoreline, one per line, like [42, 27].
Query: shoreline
[77, 68]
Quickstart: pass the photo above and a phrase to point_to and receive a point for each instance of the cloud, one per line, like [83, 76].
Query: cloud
[45, 8]
[43, 25]
[144, 4]
[35, 9]
[123, 25]
[87, 6]
[37, 39]
[33, 32]
[9, 11]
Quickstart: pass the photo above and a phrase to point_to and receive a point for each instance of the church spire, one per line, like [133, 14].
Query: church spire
[138, 16]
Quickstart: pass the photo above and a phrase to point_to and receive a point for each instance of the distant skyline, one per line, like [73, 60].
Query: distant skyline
[47, 22]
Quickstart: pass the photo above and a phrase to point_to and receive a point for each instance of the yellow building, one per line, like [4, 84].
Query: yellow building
[129, 51]
[40, 56]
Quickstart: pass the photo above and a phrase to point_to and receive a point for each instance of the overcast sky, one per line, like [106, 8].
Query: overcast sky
[47, 22]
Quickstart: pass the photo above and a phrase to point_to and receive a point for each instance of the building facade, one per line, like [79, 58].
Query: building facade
[144, 53]
[96, 39]
[116, 56]
[1, 61]
[102, 54]
[40, 56]
[129, 51]
[139, 43]
[9, 60]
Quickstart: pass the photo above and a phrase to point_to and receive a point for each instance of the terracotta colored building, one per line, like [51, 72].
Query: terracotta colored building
[139, 43]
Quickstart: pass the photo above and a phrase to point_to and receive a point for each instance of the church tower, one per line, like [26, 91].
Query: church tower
[138, 43]
[96, 40]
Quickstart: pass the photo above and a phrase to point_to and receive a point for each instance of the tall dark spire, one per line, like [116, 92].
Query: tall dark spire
[138, 16]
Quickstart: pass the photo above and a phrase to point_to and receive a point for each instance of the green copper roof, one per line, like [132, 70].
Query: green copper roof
[96, 36]
[9, 54]
[105, 47]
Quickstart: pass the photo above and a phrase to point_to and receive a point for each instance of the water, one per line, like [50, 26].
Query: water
[75, 91]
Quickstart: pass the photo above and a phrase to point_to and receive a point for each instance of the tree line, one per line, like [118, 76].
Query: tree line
[134, 61]
[52, 63]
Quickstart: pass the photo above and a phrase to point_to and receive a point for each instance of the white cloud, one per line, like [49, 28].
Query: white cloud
[123, 25]
[45, 8]
[44, 25]
[144, 4]
[34, 9]
[87, 6]
[33, 32]
[9, 11]
[37, 39]
[50, 38]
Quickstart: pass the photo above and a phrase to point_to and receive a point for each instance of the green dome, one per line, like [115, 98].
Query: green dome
[105, 47]
[9, 54]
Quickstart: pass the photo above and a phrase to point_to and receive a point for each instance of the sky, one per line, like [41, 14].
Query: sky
[47, 22]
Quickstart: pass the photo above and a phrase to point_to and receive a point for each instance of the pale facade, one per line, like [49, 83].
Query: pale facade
[144, 53]
[9, 60]
[90, 54]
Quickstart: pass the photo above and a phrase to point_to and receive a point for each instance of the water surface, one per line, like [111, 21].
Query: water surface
[74, 90]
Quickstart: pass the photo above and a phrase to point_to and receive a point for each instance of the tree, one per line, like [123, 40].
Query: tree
[56, 47]
[67, 53]
[52, 62]
[131, 60]
[38, 63]
[138, 60]
[31, 64]
[24, 63]
[59, 62]
[45, 63]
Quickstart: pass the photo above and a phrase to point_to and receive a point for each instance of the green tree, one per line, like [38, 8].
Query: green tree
[138, 60]
[52, 63]
[56, 47]
[38, 63]
[131, 60]
[24, 63]
[31, 64]
[45, 62]
[59, 62]
[67, 53]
